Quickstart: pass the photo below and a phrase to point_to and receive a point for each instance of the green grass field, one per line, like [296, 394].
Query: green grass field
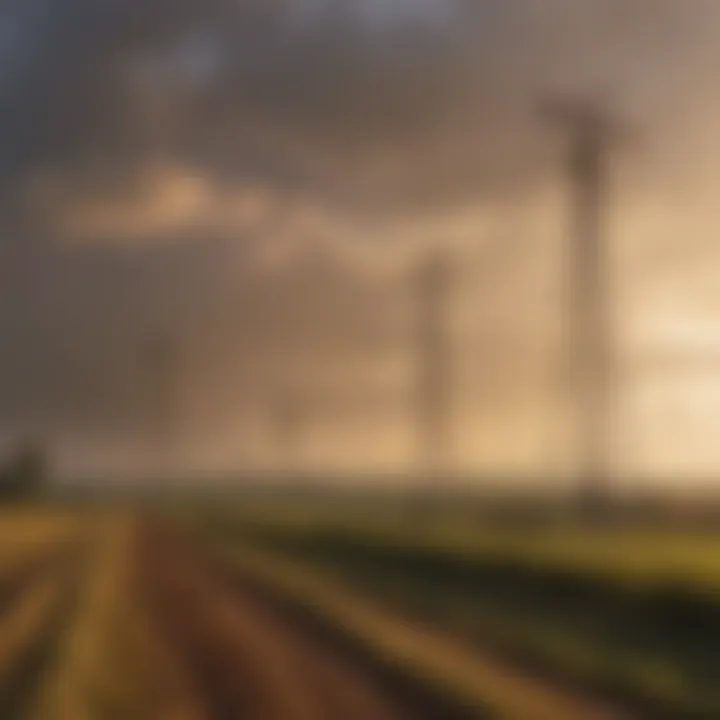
[621, 611]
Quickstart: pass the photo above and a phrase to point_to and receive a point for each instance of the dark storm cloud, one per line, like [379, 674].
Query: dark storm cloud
[325, 99]
[356, 101]
[370, 107]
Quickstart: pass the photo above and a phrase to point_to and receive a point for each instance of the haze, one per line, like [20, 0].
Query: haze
[256, 180]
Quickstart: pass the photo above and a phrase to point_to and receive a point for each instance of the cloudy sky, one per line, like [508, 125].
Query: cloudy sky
[255, 179]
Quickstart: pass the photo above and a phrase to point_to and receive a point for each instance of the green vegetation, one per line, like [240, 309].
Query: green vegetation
[632, 614]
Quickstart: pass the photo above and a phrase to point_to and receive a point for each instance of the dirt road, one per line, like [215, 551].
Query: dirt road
[242, 659]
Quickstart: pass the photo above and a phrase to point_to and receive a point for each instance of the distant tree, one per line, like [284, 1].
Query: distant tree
[25, 472]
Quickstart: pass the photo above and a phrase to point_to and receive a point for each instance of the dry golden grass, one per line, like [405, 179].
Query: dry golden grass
[26, 620]
[113, 665]
[83, 670]
[27, 536]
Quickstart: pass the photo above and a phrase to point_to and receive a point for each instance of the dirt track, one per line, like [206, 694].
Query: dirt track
[241, 659]
[35, 600]
[15, 582]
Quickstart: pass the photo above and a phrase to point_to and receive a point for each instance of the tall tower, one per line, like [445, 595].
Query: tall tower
[161, 366]
[591, 135]
[433, 284]
[289, 416]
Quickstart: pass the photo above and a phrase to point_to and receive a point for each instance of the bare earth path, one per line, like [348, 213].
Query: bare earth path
[246, 660]
[236, 651]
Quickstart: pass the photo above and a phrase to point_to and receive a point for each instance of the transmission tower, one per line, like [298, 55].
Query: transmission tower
[289, 418]
[433, 284]
[591, 135]
[161, 365]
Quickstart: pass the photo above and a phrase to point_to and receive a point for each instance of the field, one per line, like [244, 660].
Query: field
[351, 610]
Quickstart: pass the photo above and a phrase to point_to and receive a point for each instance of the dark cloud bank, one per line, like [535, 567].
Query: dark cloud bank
[367, 110]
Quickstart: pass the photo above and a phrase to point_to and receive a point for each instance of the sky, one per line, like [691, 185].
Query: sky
[257, 179]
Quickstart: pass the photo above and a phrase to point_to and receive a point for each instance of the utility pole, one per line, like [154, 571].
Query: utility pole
[289, 417]
[433, 283]
[161, 361]
[591, 136]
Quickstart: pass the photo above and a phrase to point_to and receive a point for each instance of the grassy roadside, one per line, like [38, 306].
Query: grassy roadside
[648, 639]
[625, 555]
[96, 673]
[28, 632]
[449, 671]
[26, 534]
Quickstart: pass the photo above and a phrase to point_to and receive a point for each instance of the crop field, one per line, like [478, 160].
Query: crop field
[278, 612]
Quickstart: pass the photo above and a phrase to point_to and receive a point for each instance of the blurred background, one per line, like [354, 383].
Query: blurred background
[320, 257]
[215, 216]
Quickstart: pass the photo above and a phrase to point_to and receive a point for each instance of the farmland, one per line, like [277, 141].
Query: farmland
[278, 611]
[122, 615]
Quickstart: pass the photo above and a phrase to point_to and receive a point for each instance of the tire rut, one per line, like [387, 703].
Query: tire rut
[247, 660]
